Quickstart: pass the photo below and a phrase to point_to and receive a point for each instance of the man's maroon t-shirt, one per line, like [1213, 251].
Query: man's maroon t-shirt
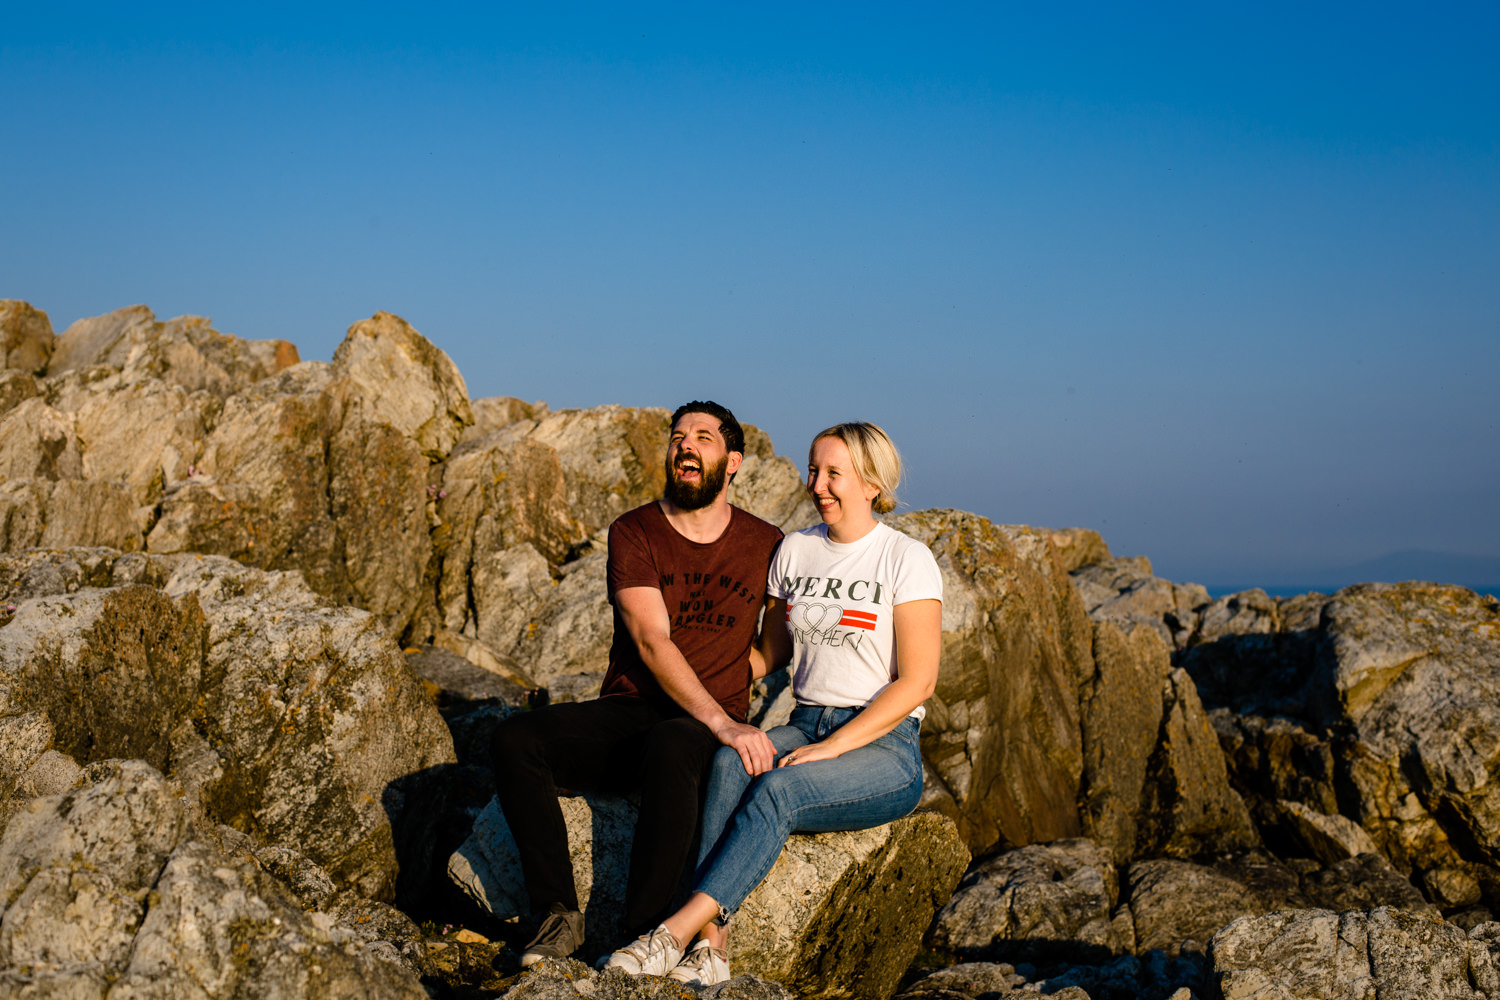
[713, 592]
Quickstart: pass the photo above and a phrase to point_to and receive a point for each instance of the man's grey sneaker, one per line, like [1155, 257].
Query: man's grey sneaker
[560, 935]
[654, 954]
[702, 966]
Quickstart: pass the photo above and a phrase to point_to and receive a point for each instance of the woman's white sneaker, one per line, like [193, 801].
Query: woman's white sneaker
[702, 966]
[654, 954]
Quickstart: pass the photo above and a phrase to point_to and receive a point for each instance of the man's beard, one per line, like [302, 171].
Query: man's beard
[695, 496]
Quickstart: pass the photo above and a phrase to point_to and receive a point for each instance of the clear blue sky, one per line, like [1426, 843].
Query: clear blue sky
[1217, 280]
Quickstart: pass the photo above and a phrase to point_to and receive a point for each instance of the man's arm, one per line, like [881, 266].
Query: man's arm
[773, 647]
[650, 626]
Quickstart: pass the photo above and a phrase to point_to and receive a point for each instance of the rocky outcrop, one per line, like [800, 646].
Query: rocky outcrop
[839, 913]
[1359, 722]
[1080, 695]
[1415, 674]
[493, 412]
[1121, 725]
[26, 338]
[279, 716]
[1384, 952]
[1177, 905]
[1392, 741]
[175, 438]
[1188, 806]
[116, 887]
[384, 351]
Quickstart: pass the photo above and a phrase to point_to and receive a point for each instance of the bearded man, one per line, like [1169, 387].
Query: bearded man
[687, 579]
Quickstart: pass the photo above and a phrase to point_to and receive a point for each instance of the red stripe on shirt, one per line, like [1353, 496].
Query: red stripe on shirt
[866, 615]
[856, 623]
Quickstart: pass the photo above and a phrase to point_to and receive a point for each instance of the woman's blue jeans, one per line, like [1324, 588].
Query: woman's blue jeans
[747, 820]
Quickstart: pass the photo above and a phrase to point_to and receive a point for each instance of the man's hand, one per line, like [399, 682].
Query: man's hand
[754, 747]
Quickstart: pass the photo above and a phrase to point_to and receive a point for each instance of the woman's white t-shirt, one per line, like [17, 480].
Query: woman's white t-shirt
[840, 598]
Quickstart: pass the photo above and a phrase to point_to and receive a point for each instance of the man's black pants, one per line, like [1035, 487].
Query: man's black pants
[614, 745]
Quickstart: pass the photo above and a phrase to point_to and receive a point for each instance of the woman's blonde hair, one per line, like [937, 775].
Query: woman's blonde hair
[875, 459]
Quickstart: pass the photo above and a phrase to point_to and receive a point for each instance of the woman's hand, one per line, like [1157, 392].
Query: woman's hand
[821, 750]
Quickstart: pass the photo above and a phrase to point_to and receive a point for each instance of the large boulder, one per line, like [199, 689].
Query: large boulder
[26, 338]
[1188, 806]
[101, 340]
[1002, 735]
[281, 717]
[840, 914]
[116, 888]
[115, 671]
[1040, 902]
[1385, 952]
[1415, 671]
[493, 412]
[397, 378]
[1177, 905]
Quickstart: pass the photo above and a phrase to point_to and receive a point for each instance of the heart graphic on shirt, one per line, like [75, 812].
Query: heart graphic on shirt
[817, 617]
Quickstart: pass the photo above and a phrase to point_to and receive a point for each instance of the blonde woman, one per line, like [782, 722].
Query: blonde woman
[862, 605]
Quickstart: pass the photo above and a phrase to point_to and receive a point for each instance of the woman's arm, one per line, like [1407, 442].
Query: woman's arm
[919, 644]
[773, 647]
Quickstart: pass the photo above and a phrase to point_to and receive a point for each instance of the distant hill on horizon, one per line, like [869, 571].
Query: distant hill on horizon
[1480, 573]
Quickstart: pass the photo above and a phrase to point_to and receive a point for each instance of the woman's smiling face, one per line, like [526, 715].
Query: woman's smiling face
[840, 494]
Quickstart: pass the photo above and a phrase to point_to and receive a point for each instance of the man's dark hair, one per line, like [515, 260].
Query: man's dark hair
[734, 434]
